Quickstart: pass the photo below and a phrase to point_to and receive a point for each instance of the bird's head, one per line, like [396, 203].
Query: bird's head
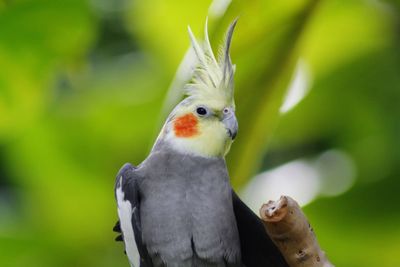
[204, 123]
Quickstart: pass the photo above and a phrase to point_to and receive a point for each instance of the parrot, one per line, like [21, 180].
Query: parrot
[177, 208]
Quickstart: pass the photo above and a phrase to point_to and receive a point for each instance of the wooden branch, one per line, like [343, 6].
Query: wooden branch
[291, 232]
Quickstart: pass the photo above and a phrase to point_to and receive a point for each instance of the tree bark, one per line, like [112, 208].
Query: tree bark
[291, 232]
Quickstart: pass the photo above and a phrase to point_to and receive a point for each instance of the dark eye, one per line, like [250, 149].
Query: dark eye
[226, 110]
[201, 111]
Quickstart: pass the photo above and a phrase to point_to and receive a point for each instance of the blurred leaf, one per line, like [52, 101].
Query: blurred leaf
[32, 50]
[161, 27]
[261, 88]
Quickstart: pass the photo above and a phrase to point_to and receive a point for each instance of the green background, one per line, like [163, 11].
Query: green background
[86, 85]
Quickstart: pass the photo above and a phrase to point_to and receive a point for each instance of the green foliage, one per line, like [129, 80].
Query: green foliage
[83, 86]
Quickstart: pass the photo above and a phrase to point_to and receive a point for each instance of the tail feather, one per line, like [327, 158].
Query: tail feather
[117, 227]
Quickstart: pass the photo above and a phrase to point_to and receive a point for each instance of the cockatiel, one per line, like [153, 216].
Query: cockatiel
[177, 208]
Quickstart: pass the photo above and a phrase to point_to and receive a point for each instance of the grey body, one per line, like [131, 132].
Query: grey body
[183, 212]
[186, 210]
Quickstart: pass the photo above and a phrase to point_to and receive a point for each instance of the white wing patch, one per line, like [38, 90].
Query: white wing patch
[125, 217]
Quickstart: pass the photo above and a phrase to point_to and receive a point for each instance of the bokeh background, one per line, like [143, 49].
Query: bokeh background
[86, 84]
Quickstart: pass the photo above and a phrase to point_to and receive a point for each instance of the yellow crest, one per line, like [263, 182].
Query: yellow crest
[212, 78]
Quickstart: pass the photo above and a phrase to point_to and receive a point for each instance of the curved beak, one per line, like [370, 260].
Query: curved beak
[231, 125]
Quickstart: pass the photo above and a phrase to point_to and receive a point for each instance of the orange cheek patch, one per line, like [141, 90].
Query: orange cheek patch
[186, 126]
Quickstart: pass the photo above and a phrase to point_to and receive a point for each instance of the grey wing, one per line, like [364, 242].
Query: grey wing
[128, 201]
[257, 248]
